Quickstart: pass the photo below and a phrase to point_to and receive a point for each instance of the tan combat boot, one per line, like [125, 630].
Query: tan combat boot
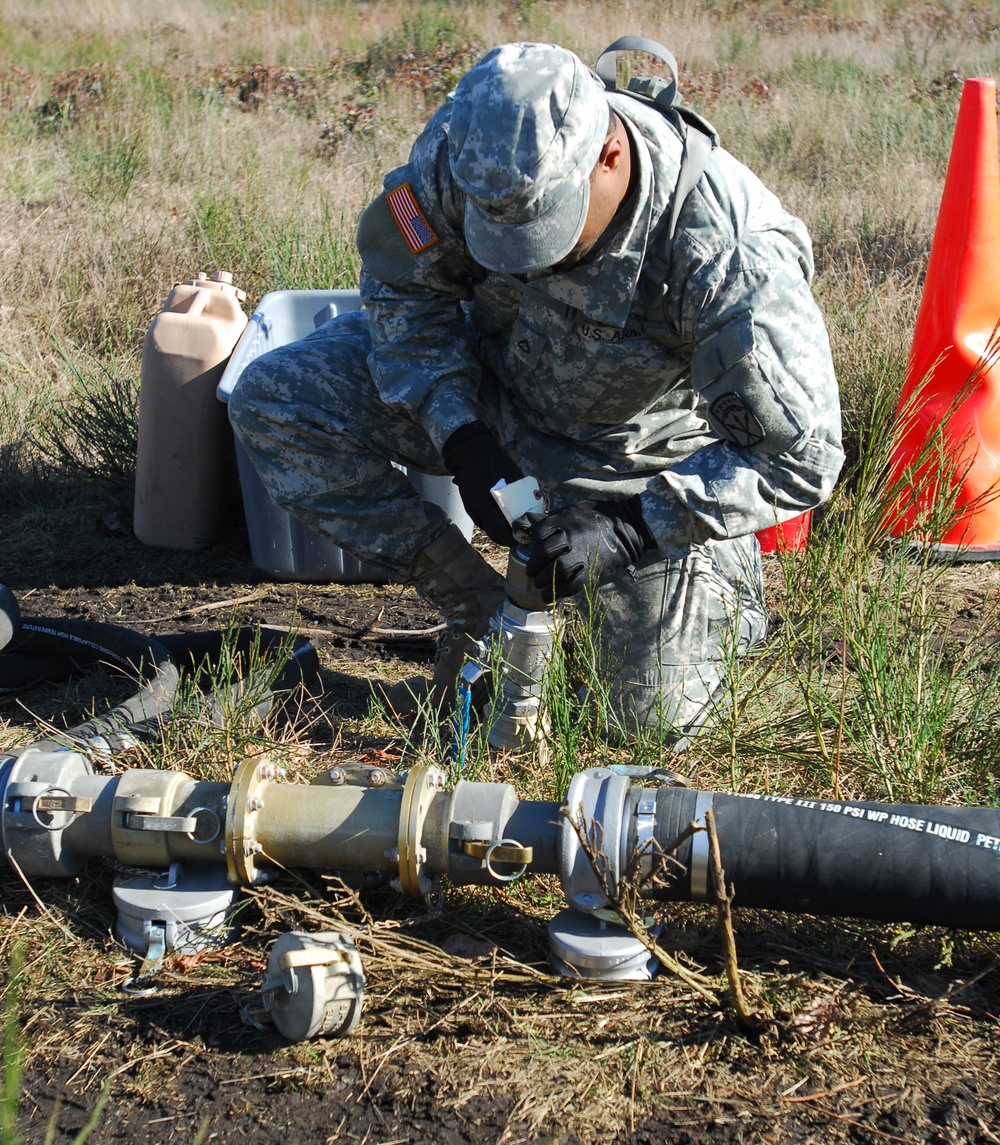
[452, 576]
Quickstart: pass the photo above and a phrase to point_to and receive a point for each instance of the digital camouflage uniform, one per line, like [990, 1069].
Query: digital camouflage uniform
[694, 371]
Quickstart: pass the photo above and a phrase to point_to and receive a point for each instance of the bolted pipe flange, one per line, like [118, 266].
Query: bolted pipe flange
[422, 784]
[246, 802]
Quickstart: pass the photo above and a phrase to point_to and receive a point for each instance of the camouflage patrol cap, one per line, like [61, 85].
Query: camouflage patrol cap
[527, 126]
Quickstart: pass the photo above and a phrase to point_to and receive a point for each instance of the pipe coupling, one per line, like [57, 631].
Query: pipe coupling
[593, 838]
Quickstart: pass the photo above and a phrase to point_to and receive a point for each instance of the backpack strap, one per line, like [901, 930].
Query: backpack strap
[698, 148]
[699, 137]
[607, 67]
[529, 290]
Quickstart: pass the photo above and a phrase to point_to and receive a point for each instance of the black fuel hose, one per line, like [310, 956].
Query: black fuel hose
[291, 664]
[49, 650]
[44, 649]
[893, 862]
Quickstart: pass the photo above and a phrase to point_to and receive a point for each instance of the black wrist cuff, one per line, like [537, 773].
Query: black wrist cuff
[454, 449]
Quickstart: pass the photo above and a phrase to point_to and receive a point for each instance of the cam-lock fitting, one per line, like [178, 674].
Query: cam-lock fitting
[517, 649]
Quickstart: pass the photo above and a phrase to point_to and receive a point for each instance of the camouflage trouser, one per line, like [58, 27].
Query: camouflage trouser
[667, 632]
[310, 418]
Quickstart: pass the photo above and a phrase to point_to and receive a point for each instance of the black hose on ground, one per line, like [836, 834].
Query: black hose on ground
[893, 862]
[289, 665]
[47, 650]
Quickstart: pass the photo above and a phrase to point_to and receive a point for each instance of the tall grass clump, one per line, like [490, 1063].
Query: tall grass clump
[866, 682]
[234, 704]
[94, 433]
[272, 252]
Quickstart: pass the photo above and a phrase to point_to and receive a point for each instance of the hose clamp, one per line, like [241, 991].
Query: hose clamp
[645, 822]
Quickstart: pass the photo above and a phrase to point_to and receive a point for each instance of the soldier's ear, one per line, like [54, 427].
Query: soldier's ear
[614, 149]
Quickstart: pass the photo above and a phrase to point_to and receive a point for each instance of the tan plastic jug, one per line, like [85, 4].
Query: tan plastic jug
[185, 448]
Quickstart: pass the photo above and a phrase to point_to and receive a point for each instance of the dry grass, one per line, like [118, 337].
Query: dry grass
[153, 172]
[146, 142]
[458, 1021]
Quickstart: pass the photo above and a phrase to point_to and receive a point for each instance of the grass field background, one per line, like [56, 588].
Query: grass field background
[143, 146]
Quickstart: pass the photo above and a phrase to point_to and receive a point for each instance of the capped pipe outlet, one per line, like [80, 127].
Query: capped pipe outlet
[599, 949]
[191, 905]
[314, 985]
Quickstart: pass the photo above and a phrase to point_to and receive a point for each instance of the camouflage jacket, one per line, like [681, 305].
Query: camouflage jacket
[696, 371]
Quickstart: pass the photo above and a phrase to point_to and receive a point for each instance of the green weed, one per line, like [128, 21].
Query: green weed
[282, 253]
[107, 163]
[95, 432]
[228, 707]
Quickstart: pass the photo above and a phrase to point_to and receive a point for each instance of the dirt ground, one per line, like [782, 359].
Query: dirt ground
[876, 1035]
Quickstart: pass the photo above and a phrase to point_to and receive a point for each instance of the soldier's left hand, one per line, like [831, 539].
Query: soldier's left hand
[586, 543]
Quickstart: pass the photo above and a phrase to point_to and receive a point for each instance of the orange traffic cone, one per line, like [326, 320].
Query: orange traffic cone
[952, 385]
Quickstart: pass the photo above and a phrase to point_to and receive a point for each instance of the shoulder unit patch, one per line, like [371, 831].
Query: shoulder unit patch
[736, 421]
[415, 229]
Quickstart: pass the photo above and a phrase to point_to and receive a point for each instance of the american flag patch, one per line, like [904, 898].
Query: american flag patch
[410, 219]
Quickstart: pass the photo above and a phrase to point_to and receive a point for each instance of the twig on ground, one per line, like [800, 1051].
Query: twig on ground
[367, 629]
[212, 606]
[402, 948]
[374, 628]
[807, 1097]
[748, 1018]
[403, 633]
[376, 634]
[942, 1004]
[371, 628]
[865, 1128]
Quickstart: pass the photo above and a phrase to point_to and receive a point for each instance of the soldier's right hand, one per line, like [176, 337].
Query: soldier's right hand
[476, 460]
[585, 543]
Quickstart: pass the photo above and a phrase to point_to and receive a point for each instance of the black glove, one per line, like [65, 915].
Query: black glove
[586, 543]
[475, 459]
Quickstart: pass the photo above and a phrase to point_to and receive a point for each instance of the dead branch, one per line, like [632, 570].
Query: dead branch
[213, 606]
[748, 1018]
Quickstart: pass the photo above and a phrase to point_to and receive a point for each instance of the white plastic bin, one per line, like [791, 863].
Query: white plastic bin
[279, 543]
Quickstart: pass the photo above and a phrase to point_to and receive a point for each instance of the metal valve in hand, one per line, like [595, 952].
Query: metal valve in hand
[522, 635]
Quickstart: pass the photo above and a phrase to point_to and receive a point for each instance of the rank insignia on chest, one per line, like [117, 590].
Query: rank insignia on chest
[414, 228]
